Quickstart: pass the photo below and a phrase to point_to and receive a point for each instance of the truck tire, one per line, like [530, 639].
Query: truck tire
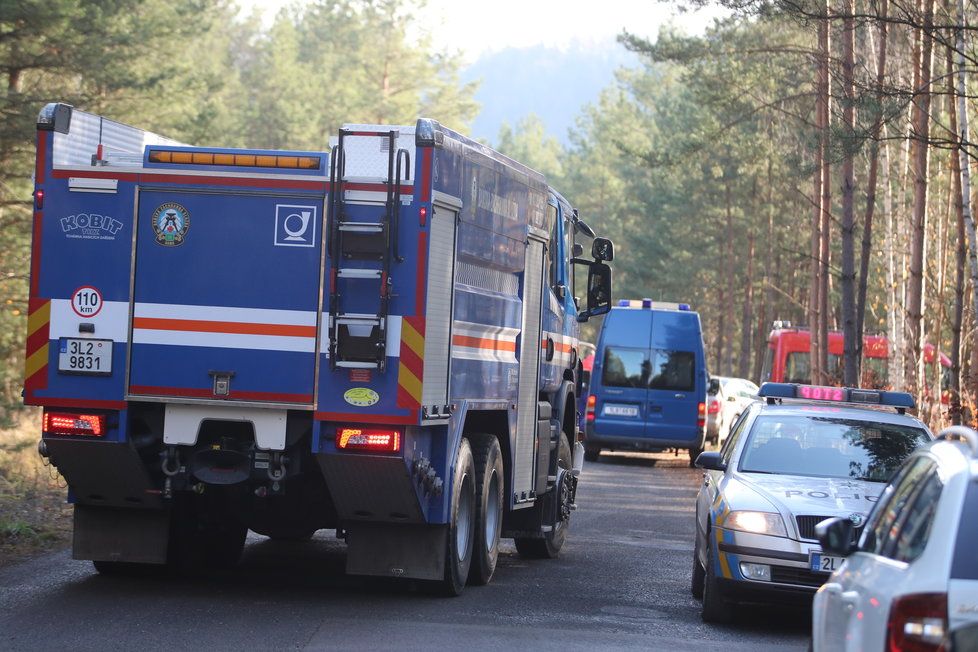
[489, 480]
[716, 608]
[461, 526]
[548, 547]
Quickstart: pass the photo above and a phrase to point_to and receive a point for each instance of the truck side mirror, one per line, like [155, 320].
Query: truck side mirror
[603, 249]
[598, 290]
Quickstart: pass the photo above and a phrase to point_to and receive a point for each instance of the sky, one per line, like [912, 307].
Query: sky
[474, 28]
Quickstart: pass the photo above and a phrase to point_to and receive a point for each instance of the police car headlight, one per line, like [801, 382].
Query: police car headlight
[757, 523]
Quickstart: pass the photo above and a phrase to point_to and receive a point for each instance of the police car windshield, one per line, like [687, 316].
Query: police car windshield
[828, 447]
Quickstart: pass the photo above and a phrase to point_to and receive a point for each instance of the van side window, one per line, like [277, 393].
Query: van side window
[625, 368]
[673, 370]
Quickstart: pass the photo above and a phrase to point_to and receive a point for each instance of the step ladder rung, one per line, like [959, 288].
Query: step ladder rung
[362, 227]
[356, 365]
[348, 272]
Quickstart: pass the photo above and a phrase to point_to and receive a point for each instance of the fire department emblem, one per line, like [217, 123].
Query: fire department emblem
[171, 221]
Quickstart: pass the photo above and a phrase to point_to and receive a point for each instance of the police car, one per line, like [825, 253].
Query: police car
[802, 455]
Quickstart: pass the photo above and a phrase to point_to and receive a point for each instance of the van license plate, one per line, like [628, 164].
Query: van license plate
[85, 356]
[824, 563]
[621, 410]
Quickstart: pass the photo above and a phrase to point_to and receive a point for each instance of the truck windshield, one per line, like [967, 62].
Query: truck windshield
[828, 447]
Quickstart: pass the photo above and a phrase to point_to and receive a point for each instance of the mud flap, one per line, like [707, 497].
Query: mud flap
[119, 534]
[408, 551]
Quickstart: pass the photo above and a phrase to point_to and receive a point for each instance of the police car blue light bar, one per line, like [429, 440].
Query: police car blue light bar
[901, 400]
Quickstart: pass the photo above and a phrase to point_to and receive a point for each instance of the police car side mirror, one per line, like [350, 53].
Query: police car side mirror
[714, 385]
[710, 461]
[836, 535]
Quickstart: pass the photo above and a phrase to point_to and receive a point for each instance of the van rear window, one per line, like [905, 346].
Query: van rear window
[636, 368]
[625, 368]
[672, 370]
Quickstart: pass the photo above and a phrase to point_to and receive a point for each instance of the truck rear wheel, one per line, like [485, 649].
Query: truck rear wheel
[489, 503]
[461, 527]
[548, 547]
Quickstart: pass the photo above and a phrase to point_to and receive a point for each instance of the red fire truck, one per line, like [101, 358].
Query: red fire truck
[787, 358]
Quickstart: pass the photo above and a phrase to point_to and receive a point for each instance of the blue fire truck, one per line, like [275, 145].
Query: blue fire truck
[381, 339]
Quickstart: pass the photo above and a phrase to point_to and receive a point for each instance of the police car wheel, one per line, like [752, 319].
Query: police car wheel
[461, 527]
[699, 575]
[716, 609]
[489, 507]
[548, 547]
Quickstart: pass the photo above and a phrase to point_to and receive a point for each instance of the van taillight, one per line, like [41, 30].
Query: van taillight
[702, 415]
[70, 423]
[378, 440]
[917, 623]
[589, 411]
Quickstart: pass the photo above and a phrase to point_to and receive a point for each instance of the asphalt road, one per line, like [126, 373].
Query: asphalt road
[621, 582]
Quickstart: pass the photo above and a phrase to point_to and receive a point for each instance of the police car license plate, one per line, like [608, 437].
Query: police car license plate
[85, 356]
[621, 410]
[824, 563]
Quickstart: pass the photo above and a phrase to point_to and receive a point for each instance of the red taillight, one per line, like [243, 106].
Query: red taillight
[68, 423]
[702, 409]
[701, 421]
[39, 199]
[714, 406]
[382, 440]
[589, 410]
[917, 623]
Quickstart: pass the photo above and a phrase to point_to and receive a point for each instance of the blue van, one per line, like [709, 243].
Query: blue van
[649, 381]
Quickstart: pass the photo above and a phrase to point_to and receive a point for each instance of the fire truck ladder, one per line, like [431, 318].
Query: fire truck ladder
[359, 340]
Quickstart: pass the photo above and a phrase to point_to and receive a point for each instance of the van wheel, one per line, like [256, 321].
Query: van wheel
[549, 546]
[591, 453]
[458, 555]
[489, 507]
[693, 454]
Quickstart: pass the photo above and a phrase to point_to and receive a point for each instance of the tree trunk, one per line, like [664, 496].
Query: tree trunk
[969, 222]
[747, 317]
[871, 182]
[825, 226]
[918, 220]
[957, 316]
[850, 358]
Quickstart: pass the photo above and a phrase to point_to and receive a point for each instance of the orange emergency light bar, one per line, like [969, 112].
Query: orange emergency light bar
[239, 160]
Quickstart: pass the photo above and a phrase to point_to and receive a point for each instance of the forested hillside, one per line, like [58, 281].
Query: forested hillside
[801, 160]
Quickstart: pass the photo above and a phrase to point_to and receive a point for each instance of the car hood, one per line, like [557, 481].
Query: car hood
[795, 495]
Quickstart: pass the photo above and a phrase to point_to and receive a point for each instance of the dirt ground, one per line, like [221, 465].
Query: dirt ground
[33, 513]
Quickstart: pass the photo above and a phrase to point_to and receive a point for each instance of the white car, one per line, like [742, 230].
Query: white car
[911, 581]
[734, 396]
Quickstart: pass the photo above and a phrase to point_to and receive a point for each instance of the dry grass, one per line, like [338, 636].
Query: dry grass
[33, 513]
